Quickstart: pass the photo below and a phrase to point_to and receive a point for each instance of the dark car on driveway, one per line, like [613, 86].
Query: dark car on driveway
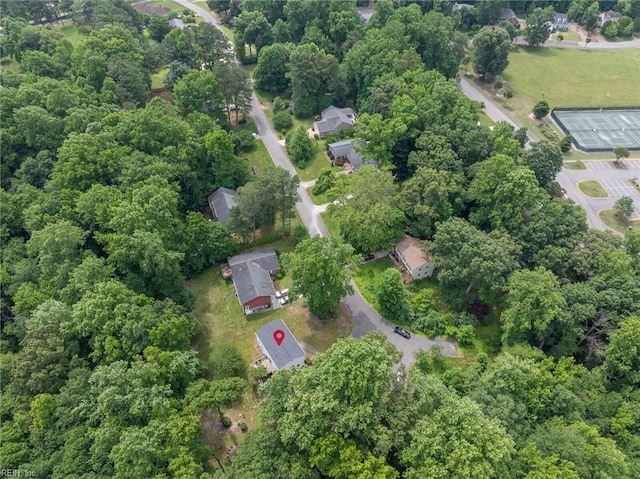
[367, 257]
[402, 332]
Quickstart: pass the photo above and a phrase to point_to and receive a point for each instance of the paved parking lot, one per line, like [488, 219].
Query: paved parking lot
[610, 165]
[619, 187]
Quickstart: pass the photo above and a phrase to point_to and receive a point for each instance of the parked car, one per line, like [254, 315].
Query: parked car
[282, 292]
[367, 257]
[284, 300]
[402, 332]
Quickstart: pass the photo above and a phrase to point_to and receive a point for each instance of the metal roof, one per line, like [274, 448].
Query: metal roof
[284, 353]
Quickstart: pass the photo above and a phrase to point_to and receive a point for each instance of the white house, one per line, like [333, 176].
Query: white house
[280, 346]
[416, 262]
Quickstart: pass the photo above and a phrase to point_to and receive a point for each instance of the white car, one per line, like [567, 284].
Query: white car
[284, 300]
[282, 292]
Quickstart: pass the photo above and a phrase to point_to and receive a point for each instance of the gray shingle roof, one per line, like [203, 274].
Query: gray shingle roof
[221, 201]
[251, 274]
[334, 117]
[347, 149]
[340, 149]
[287, 351]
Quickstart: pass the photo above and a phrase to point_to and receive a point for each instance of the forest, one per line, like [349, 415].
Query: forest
[103, 193]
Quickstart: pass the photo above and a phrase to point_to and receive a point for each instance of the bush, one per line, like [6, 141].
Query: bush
[541, 109]
[243, 141]
[242, 121]
[324, 182]
[300, 233]
[243, 426]
[226, 361]
[423, 301]
[498, 84]
[278, 104]
[431, 324]
[508, 94]
[282, 121]
[226, 422]
[549, 133]
[465, 319]
[565, 143]
[609, 29]
[465, 335]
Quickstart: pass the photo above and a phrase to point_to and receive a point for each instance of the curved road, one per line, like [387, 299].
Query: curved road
[364, 316]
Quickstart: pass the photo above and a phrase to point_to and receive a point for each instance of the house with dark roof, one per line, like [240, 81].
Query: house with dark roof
[418, 264]
[508, 15]
[221, 201]
[560, 23]
[176, 23]
[346, 150]
[252, 275]
[334, 119]
[605, 17]
[151, 10]
[280, 346]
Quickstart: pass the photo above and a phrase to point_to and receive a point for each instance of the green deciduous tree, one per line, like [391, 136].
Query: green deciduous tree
[538, 25]
[314, 77]
[545, 160]
[622, 356]
[270, 72]
[206, 243]
[582, 444]
[321, 269]
[490, 53]
[621, 153]
[457, 440]
[199, 91]
[299, 146]
[431, 196]
[369, 209]
[624, 207]
[541, 109]
[533, 302]
[472, 260]
[391, 295]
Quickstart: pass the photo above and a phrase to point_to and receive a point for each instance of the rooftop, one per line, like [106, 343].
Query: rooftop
[411, 250]
[221, 201]
[251, 274]
[284, 353]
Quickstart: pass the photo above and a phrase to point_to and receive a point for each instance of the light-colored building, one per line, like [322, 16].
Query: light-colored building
[280, 346]
[416, 262]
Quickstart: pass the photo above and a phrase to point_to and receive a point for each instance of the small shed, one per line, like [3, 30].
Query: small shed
[284, 354]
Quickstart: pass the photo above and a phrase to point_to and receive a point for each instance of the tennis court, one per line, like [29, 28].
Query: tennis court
[601, 130]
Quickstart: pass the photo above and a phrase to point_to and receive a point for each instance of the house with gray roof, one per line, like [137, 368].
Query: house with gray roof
[252, 277]
[346, 150]
[176, 23]
[285, 355]
[221, 201]
[560, 23]
[508, 15]
[609, 16]
[334, 119]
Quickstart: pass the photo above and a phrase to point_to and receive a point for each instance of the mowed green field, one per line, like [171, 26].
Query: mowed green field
[573, 78]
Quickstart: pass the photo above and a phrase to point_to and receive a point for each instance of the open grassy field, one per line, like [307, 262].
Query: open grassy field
[573, 77]
[610, 219]
[592, 188]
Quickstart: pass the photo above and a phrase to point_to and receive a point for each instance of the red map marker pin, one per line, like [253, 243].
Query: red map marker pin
[278, 335]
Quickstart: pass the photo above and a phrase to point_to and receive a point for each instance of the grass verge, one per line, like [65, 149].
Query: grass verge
[575, 165]
[614, 222]
[592, 188]
[318, 162]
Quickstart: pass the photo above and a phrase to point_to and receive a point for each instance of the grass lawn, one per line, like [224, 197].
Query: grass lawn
[575, 165]
[157, 79]
[74, 33]
[572, 77]
[567, 36]
[173, 6]
[318, 162]
[367, 277]
[485, 120]
[610, 219]
[592, 188]
[574, 154]
[320, 199]
[330, 223]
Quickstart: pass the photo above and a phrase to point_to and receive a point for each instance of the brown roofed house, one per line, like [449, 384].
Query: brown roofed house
[410, 254]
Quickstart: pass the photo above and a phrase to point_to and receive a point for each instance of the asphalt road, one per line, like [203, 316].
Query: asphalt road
[364, 316]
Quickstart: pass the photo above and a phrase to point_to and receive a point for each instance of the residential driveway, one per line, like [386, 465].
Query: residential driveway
[365, 317]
